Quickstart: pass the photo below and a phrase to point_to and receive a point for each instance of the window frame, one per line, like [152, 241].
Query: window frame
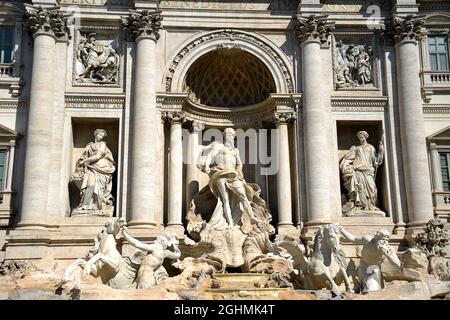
[12, 45]
[438, 53]
[443, 182]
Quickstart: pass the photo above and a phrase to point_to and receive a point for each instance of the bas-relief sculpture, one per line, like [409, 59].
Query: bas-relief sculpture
[93, 175]
[359, 170]
[354, 65]
[144, 269]
[98, 61]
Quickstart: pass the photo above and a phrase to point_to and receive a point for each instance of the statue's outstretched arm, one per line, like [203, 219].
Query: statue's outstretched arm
[136, 243]
[352, 238]
[172, 255]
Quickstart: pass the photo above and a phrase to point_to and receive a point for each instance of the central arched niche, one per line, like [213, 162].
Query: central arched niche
[228, 77]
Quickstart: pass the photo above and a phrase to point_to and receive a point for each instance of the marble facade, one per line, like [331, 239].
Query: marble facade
[166, 72]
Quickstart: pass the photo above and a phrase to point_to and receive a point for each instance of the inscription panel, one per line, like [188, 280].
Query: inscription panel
[271, 5]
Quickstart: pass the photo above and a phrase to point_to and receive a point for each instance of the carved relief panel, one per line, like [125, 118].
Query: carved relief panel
[356, 61]
[97, 57]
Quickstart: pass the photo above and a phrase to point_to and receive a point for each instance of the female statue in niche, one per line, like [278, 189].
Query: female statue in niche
[94, 170]
[359, 168]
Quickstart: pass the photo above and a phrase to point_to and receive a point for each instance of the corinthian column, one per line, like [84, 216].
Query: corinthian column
[175, 196]
[284, 193]
[407, 32]
[46, 26]
[312, 32]
[147, 131]
[193, 152]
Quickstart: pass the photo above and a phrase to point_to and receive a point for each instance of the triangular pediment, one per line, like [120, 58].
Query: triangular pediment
[5, 132]
[443, 134]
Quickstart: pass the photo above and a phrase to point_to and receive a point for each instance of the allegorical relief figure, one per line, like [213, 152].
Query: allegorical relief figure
[100, 62]
[354, 65]
[94, 171]
[359, 169]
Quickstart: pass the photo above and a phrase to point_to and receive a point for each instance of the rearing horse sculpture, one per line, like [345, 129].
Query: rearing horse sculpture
[104, 260]
[326, 266]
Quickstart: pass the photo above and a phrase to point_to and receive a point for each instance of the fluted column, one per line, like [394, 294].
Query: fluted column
[312, 32]
[284, 192]
[407, 32]
[193, 152]
[147, 131]
[46, 26]
[175, 188]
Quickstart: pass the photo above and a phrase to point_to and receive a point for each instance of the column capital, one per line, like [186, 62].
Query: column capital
[173, 116]
[49, 21]
[284, 117]
[197, 126]
[407, 29]
[143, 24]
[314, 28]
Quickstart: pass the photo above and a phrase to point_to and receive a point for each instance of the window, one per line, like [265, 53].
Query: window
[438, 49]
[445, 173]
[3, 153]
[6, 44]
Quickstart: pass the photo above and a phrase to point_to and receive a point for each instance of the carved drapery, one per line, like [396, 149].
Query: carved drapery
[143, 24]
[50, 21]
[315, 28]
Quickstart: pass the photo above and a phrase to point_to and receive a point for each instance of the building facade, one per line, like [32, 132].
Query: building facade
[300, 80]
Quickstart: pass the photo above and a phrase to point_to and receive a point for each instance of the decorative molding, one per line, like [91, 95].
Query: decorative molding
[314, 28]
[50, 21]
[143, 24]
[360, 104]
[13, 105]
[86, 102]
[437, 108]
[232, 35]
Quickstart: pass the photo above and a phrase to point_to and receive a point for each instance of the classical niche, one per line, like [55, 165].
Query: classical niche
[228, 77]
[93, 185]
[96, 58]
[362, 170]
[355, 63]
[227, 38]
